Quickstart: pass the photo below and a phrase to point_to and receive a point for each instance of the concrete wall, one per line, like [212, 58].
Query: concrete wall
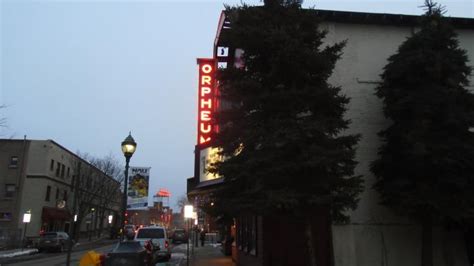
[375, 236]
[13, 176]
[38, 177]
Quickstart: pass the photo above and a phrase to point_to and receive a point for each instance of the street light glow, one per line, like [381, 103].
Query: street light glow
[188, 211]
[128, 146]
[27, 217]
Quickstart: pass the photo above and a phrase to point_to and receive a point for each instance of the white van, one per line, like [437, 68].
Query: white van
[159, 237]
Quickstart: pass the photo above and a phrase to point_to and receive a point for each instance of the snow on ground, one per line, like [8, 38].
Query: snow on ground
[178, 255]
[17, 252]
[181, 247]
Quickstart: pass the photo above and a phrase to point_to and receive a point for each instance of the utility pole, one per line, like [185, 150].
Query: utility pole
[72, 222]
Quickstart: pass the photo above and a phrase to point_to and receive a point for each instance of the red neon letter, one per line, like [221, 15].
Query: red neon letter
[205, 115]
[206, 68]
[205, 80]
[207, 129]
[205, 90]
[202, 139]
[207, 102]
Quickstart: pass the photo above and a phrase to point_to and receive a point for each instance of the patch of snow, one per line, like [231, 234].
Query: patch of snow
[181, 247]
[178, 255]
[18, 252]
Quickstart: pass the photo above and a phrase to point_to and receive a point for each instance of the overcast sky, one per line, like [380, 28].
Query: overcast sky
[85, 73]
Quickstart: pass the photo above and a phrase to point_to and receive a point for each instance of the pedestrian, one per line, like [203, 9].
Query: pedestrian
[113, 233]
[203, 237]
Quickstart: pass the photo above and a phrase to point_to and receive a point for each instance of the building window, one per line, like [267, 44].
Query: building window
[65, 195]
[62, 170]
[51, 166]
[13, 162]
[247, 234]
[57, 193]
[253, 235]
[58, 169]
[10, 190]
[5, 216]
[67, 172]
[48, 193]
[241, 235]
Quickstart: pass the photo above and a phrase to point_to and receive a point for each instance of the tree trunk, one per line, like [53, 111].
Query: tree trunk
[310, 242]
[427, 243]
[77, 229]
[101, 225]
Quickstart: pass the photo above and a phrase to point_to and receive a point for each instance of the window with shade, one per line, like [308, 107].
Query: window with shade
[6, 216]
[247, 234]
[10, 190]
[13, 162]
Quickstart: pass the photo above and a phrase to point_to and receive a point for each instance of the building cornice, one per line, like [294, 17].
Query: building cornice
[385, 19]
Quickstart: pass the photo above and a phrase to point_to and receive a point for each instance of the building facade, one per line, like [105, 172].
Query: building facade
[41, 177]
[374, 235]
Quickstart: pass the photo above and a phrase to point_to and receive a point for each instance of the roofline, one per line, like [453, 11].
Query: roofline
[219, 27]
[77, 156]
[386, 18]
[367, 18]
[68, 151]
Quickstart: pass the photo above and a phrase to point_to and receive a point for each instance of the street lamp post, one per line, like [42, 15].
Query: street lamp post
[195, 230]
[26, 221]
[92, 223]
[128, 148]
[188, 215]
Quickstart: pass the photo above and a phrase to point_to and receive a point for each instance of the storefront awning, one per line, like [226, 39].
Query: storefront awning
[50, 214]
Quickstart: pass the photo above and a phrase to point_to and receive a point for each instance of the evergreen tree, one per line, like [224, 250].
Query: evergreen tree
[282, 136]
[425, 169]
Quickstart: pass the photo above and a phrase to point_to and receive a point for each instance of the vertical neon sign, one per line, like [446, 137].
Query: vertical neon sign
[206, 100]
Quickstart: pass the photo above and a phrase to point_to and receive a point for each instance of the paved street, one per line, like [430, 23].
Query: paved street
[57, 259]
[54, 259]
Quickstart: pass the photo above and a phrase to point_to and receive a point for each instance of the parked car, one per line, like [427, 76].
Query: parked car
[179, 236]
[56, 241]
[129, 231]
[159, 237]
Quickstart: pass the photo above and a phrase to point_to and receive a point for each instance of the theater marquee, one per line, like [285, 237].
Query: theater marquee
[206, 103]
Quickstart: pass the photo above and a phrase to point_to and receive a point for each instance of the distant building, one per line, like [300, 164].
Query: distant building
[38, 176]
[159, 213]
[375, 235]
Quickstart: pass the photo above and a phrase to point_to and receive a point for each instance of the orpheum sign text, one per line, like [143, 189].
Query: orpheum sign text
[206, 100]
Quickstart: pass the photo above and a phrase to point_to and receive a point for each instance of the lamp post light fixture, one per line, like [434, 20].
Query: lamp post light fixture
[188, 215]
[26, 221]
[128, 148]
[195, 239]
[92, 224]
[110, 219]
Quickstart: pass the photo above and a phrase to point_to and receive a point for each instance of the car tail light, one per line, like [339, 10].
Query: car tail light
[102, 259]
[166, 244]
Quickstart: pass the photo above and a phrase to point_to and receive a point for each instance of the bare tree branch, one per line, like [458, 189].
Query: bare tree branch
[95, 186]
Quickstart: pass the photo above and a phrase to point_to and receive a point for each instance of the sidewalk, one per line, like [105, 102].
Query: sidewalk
[209, 255]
